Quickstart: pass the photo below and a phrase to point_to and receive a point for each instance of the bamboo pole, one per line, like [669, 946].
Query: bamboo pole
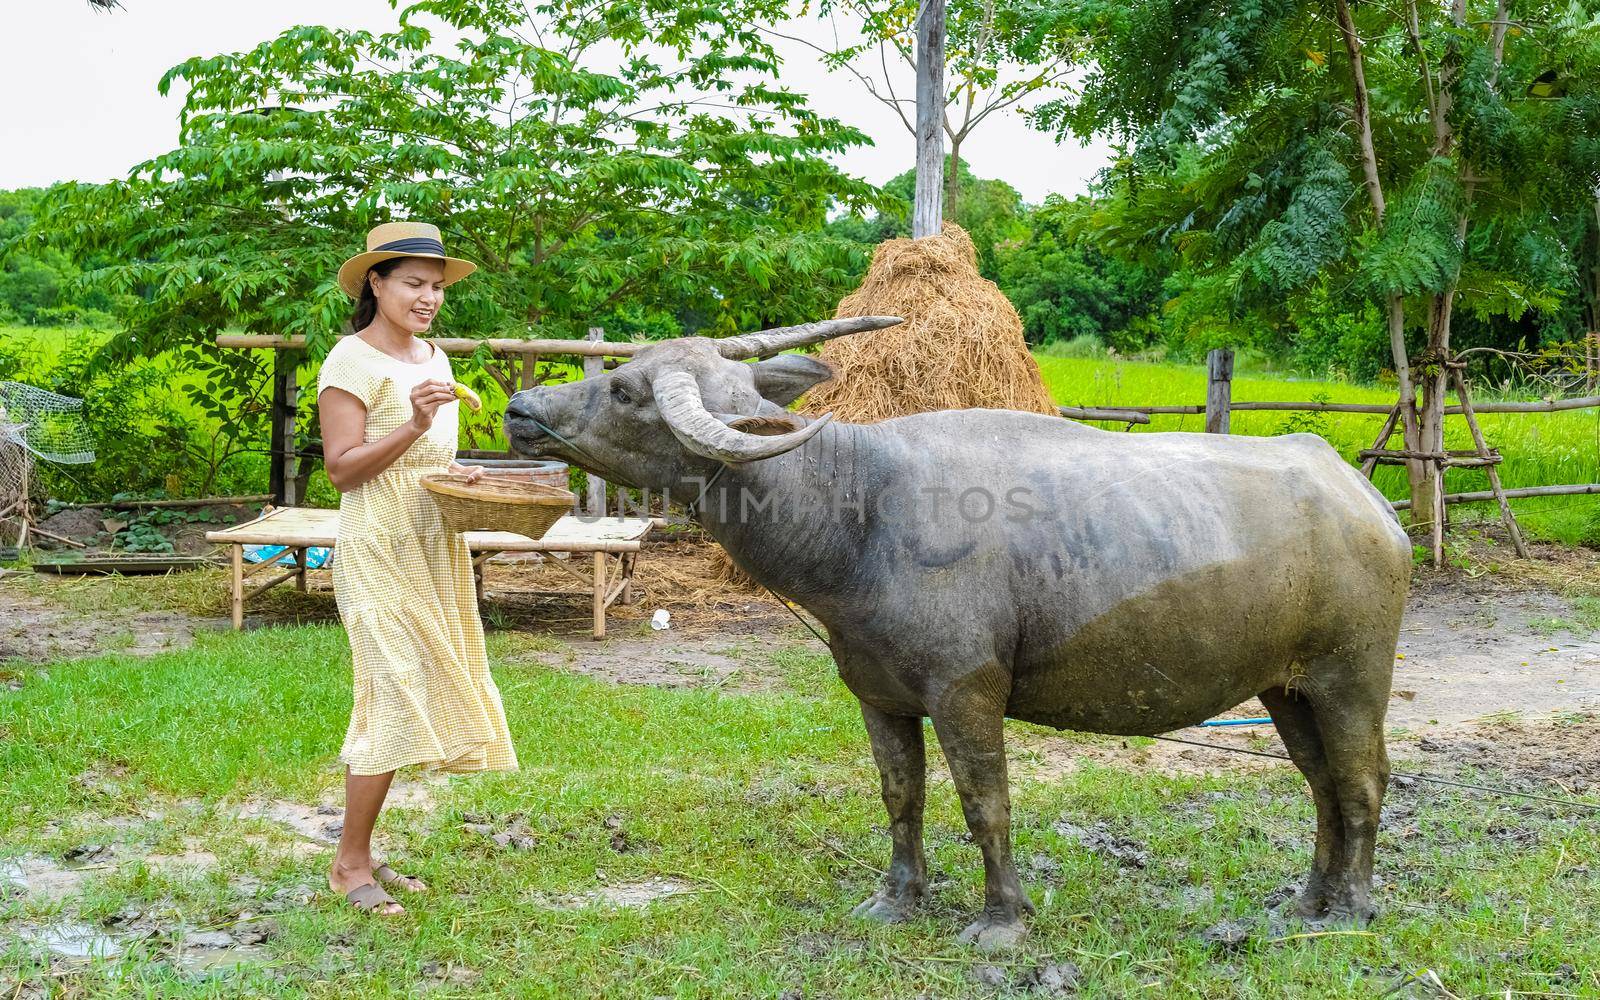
[1436, 530]
[192, 502]
[1499, 492]
[1530, 406]
[1094, 413]
[450, 345]
[1371, 462]
[1520, 493]
[596, 501]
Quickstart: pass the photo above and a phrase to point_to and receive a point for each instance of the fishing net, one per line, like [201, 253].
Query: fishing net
[36, 423]
[45, 423]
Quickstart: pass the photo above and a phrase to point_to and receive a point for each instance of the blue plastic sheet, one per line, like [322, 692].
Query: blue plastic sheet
[317, 556]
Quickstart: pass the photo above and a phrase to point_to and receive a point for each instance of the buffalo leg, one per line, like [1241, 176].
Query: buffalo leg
[1297, 725]
[1350, 717]
[971, 733]
[897, 747]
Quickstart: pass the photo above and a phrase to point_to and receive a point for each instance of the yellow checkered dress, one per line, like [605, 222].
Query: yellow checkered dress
[423, 694]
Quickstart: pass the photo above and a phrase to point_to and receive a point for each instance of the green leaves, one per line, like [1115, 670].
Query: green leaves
[600, 160]
[1420, 250]
[1243, 157]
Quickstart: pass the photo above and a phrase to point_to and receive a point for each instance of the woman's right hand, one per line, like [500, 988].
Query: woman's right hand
[426, 398]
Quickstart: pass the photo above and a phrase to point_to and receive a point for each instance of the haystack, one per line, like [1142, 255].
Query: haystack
[960, 346]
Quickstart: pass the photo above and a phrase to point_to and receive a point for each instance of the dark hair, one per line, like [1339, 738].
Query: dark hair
[367, 304]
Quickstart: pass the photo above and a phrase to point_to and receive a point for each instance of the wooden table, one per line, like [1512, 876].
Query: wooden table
[612, 544]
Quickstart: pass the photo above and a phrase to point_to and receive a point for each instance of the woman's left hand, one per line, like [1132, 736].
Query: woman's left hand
[472, 472]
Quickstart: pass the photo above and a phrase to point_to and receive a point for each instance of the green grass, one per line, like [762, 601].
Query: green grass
[1540, 449]
[767, 805]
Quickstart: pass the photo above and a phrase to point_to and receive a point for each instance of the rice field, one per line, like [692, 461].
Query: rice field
[1540, 449]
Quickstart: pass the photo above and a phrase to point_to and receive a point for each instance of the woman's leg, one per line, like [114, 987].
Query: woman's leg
[352, 864]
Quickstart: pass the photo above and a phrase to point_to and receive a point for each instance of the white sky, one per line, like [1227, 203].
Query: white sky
[83, 102]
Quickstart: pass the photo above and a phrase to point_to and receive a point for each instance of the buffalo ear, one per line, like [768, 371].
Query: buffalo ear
[787, 377]
[766, 426]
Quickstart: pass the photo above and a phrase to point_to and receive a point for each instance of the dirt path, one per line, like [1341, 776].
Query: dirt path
[1490, 648]
[38, 629]
[1471, 650]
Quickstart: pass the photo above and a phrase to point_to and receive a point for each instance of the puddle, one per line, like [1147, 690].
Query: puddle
[44, 879]
[216, 951]
[626, 894]
[220, 959]
[197, 952]
[72, 940]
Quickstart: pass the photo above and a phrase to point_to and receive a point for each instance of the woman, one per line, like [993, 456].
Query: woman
[422, 693]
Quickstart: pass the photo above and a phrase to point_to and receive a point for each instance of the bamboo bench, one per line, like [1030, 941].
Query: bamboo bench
[612, 542]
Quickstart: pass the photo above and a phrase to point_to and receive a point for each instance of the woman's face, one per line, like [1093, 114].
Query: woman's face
[410, 296]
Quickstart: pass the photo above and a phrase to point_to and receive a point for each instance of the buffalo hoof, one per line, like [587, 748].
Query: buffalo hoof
[886, 907]
[1306, 905]
[1344, 917]
[994, 934]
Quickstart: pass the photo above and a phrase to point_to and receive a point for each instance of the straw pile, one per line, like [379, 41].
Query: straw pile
[960, 346]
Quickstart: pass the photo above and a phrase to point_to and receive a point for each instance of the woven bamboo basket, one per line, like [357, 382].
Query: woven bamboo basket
[497, 503]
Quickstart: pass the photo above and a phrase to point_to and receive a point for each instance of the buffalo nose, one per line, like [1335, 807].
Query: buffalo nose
[522, 405]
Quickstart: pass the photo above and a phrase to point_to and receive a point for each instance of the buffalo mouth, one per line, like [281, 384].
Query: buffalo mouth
[526, 438]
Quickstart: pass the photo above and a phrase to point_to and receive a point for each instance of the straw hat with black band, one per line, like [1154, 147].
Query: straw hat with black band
[400, 239]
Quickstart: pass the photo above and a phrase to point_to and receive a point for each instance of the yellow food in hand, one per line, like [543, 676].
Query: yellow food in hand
[469, 397]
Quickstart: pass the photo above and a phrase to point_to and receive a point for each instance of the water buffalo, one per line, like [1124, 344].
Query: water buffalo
[971, 565]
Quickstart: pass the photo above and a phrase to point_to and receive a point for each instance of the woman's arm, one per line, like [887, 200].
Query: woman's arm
[349, 460]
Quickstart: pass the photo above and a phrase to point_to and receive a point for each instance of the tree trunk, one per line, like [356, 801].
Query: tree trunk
[927, 218]
[1441, 307]
[952, 180]
[1394, 305]
[1594, 270]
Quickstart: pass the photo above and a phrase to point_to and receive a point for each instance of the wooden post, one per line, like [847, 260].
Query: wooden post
[1482, 443]
[1371, 461]
[300, 568]
[600, 595]
[595, 504]
[1437, 529]
[285, 412]
[1219, 389]
[238, 585]
[927, 215]
[24, 505]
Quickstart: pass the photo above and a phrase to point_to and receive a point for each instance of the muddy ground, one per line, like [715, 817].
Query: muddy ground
[1497, 679]
[1496, 658]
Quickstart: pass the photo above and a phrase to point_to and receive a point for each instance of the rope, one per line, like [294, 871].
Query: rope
[1491, 789]
[1507, 792]
[695, 508]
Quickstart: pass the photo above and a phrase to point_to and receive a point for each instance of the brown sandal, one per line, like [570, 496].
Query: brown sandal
[370, 898]
[388, 876]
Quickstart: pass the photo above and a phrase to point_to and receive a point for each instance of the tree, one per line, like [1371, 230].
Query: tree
[927, 214]
[679, 180]
[1390, 149]
[991, 211]
[997, 55]
[1064, 285]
